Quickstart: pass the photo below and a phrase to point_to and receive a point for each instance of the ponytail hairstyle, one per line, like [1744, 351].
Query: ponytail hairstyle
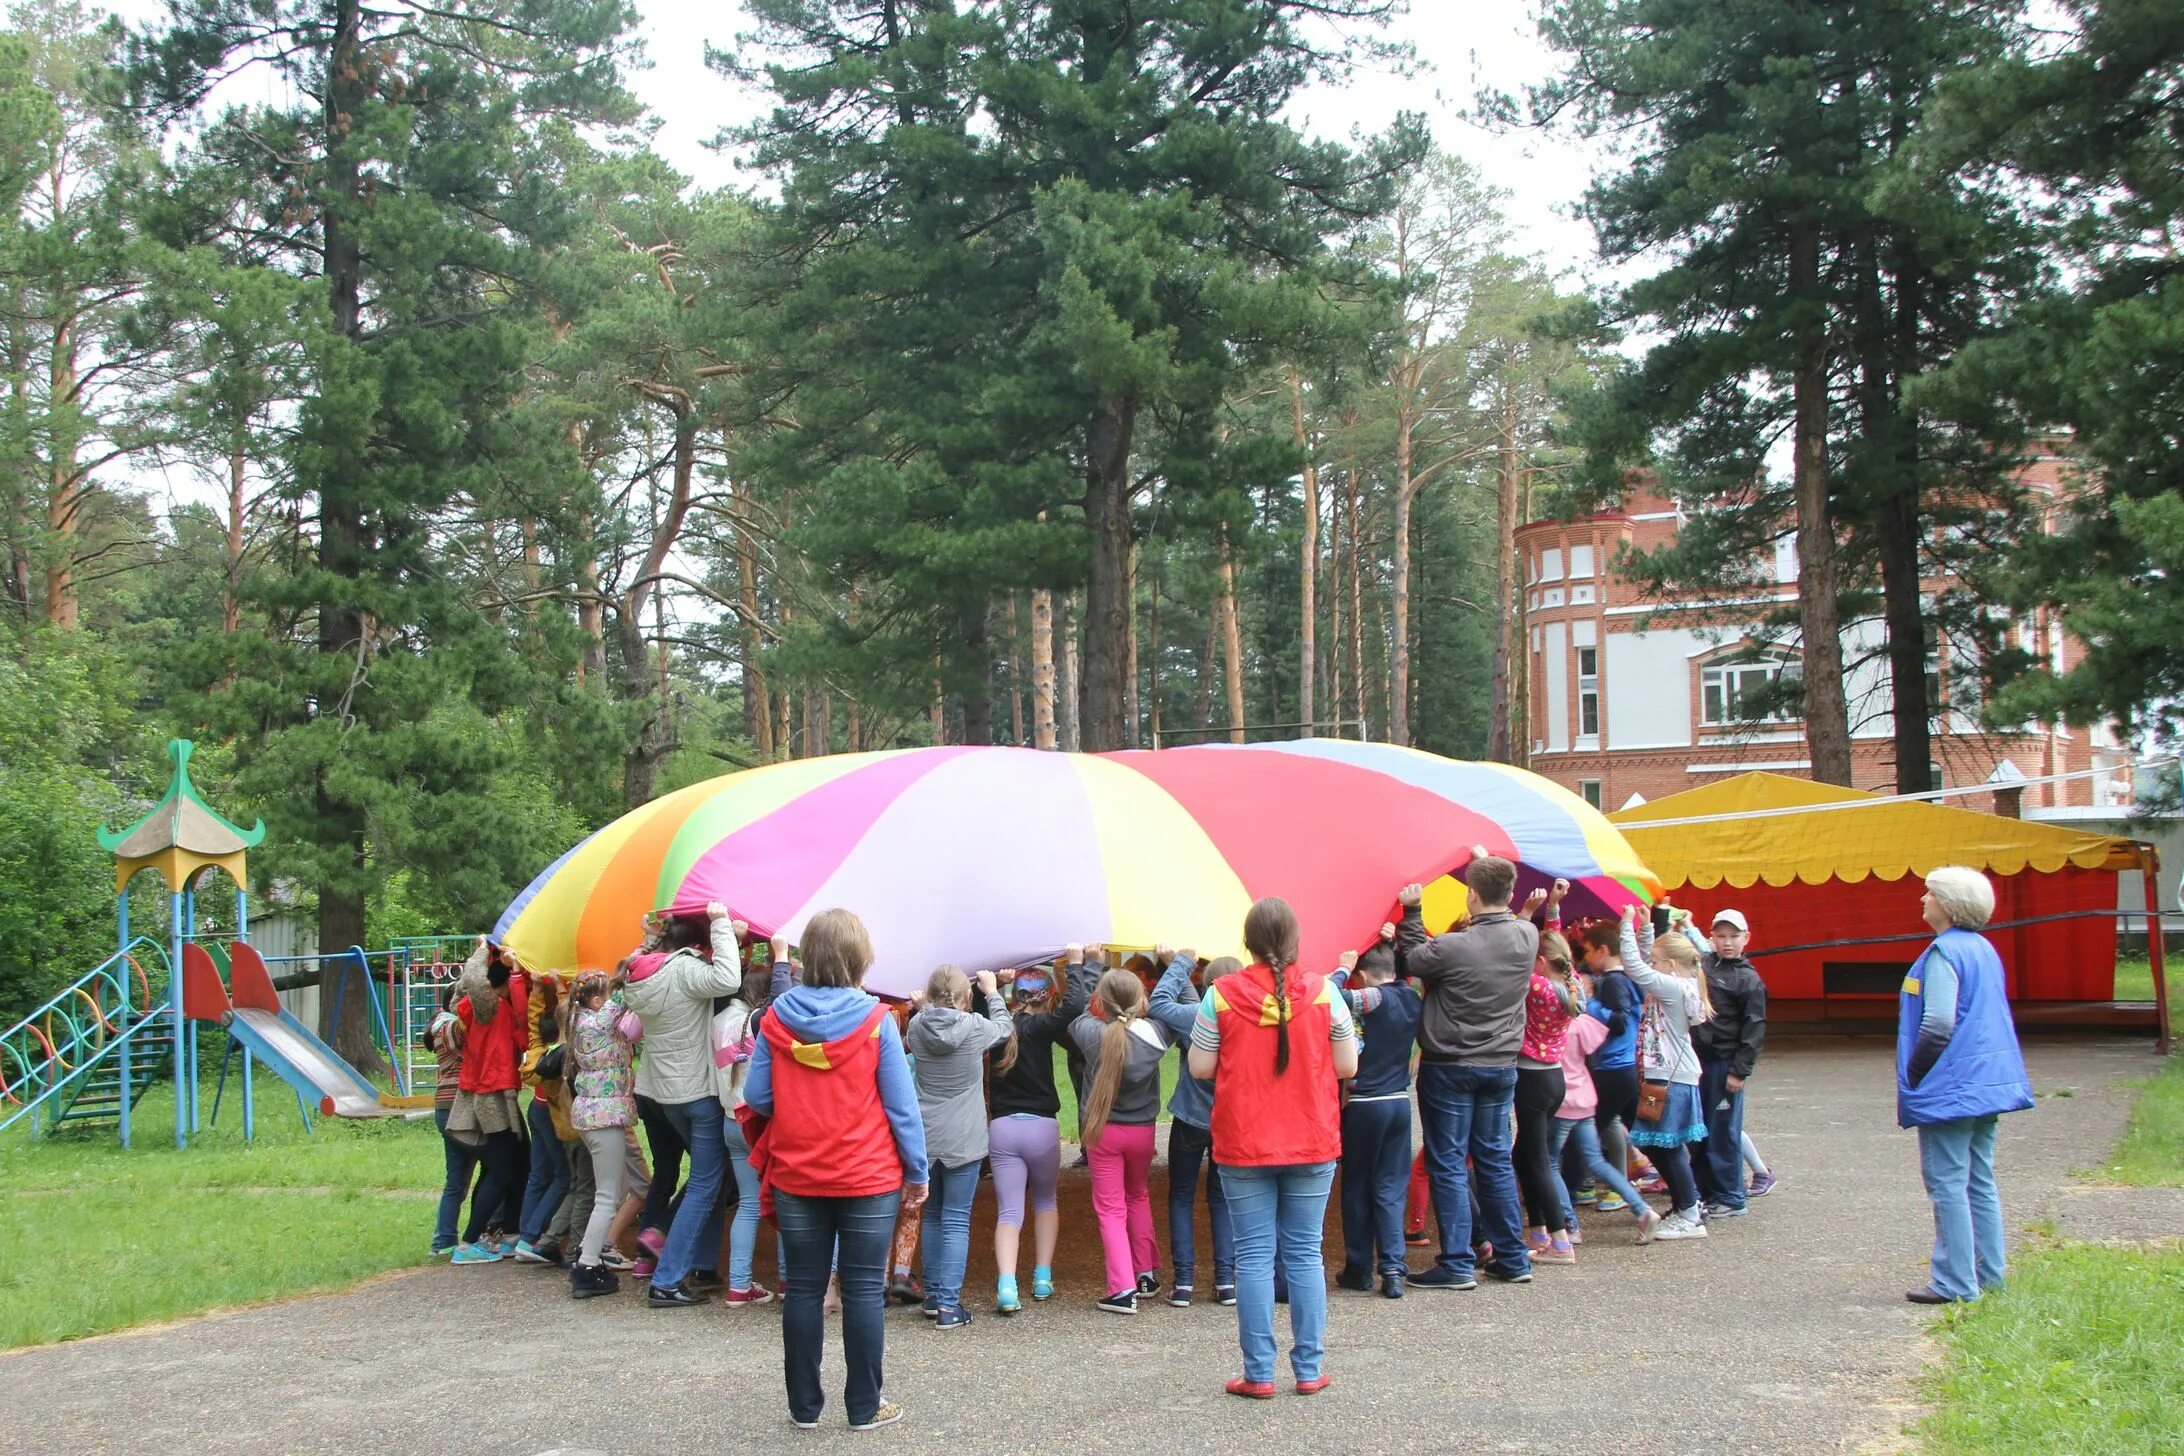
[1120, 997]
[588, 985]
[948, 986]
[1682, 959]
[1057, 984]
[1555, 952]
[1270, 934]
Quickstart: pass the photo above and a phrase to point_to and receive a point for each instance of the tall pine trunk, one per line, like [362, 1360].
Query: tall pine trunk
[1130, 719]
[1016, 677]
[1399, 586]
[1356, 645]
[1042, 669]
[1500, 734]
[1069, 632]
[1152, 661]
[1232, 638]
[1827, 712]
[757, 714]
[1308, 564]
[1107, 606]
[231, 583]
[64, 491]
[341, 642]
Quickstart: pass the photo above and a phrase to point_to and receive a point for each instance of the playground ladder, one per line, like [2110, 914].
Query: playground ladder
[64, 1061]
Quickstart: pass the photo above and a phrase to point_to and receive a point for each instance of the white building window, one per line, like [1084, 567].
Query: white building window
[1746, 692]
[1581, 568]
[1589, 791]
[1588, 696]
[1550, 564]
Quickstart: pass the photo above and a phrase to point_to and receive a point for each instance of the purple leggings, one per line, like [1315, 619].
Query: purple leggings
[1026, 1150]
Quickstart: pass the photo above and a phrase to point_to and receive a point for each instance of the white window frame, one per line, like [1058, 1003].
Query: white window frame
[1588, 693]
[1717, 696]
[1589, 791]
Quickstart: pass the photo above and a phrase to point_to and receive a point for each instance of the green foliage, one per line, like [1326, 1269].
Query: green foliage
[2152, 1151]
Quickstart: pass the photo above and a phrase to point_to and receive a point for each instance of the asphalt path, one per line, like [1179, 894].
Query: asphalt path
[1785, 1331]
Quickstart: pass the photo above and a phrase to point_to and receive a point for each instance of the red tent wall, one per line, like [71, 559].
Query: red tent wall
[2061, 960]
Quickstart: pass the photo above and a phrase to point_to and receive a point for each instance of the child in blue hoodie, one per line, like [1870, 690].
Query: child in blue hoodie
[1376, 1121]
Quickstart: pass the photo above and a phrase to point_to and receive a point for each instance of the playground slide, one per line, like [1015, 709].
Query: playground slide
[307, 1064]
[295, 1054]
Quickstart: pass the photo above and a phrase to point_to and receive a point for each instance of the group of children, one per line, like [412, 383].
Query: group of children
[1636, 1048]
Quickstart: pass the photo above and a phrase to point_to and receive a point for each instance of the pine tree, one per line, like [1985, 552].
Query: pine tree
[411, 181]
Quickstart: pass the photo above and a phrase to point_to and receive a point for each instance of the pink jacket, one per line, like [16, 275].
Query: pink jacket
[1579, 1098]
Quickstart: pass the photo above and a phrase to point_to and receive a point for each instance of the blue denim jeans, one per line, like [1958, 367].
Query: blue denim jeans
[694, 1238]
[1581, 1136]
[743, 1230]
[812, 1229]
[549, 1182]
[1718, 1163]
[461, 1163]
[945, 1233]
[1189, 1148]
[1466, 1110]
[1375, 1185]
[1287, 1205]
[1956, 1159]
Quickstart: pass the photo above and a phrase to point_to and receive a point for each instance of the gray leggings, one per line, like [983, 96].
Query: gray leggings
[607, 1146]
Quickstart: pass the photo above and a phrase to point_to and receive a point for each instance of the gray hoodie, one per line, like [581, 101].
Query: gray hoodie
[948, 1059]
[675, 1060]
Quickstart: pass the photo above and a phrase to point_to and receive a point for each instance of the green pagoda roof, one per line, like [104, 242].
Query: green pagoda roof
[181, 820]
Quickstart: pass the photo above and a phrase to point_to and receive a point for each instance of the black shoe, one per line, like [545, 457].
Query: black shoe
[682, 1296]
[591, 1281]
[1442, 1277]
[1180, 1296]
[954, 1317]
[1148, 1285]
[1225, 1295]
[1355, 1280]
[1123, 1303]
[704, 1281]
[1928, 1296]
[1507, 1275]
[1391, 1286]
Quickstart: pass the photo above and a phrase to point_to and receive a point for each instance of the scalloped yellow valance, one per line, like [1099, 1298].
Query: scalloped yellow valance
[1841, 834]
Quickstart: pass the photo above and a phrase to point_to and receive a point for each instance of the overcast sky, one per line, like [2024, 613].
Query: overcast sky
[1457, 45]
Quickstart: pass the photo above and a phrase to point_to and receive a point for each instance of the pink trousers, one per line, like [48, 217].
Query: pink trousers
[1121, 1161]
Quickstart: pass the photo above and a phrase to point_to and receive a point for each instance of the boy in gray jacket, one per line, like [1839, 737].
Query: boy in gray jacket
[947, 1046]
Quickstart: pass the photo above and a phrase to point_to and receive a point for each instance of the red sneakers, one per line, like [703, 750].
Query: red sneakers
[1315, 1385]
[757, 1294]
[1251, 1389]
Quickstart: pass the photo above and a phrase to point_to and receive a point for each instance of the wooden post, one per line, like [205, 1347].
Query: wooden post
[2150, 867]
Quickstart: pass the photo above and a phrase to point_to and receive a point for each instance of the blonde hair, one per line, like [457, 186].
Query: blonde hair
[837, 951]
[1122, 996]
[1965, 895]
[948, 986]
[1270, 934]
[1683, 959]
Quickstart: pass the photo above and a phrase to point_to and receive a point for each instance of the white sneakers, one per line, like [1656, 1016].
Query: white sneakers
[1679, 1226]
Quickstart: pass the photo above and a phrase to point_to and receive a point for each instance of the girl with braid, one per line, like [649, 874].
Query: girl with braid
[1123, 1048]
[1276, 1042]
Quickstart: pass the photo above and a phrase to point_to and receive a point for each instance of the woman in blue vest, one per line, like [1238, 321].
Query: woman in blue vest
[1957, 1070]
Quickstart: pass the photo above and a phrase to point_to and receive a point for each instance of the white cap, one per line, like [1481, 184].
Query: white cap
[1734, 917]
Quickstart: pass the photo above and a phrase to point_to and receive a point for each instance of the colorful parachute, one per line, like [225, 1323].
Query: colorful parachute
[992, 857]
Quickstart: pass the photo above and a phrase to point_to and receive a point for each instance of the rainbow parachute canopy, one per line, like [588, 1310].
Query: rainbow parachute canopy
[994, 857]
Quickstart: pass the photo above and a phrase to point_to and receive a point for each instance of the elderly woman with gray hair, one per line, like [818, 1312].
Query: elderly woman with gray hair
[1958, 1070]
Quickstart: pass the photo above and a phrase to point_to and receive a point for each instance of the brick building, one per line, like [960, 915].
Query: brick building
[1633, 697]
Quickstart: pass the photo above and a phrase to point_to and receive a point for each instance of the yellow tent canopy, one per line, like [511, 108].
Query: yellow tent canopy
[1748, 839]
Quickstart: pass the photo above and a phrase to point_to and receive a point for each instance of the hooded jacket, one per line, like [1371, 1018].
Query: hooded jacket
[948, 1048]
[675, 1003]
[828, 1137]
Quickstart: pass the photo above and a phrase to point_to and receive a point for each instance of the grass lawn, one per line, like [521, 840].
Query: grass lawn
[1169, 1068]
[2152, 1151]
[2083, 1352]
[104, 1239]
